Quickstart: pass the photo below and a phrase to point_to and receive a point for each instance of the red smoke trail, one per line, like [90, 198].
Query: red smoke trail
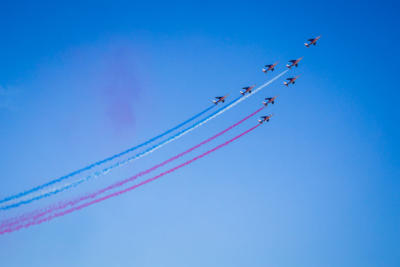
[27, 216]
[9, 230]
[24, 217]
[36, 215]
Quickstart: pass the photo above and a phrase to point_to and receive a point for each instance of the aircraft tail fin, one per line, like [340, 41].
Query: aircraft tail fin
[285, 83]
[307, 45]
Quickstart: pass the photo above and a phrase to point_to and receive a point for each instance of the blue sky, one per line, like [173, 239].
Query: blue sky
[317, 186]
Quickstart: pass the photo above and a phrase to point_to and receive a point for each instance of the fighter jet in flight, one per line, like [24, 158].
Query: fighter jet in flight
[269, 100]
[219, 99]
[265, 118]
[312, 41]
[291, 80]
[247, 89]
[295, 62]
[270, 67]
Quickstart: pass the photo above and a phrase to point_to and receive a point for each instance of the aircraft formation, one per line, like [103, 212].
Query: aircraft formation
[271, 67]
[62, 184]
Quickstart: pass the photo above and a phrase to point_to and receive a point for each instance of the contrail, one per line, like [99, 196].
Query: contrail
[62, 213]
[220, 111]
[38, 214]
[19, 195]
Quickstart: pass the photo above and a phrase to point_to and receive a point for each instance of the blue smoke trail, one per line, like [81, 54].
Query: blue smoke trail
[147, 151]
[40, 187]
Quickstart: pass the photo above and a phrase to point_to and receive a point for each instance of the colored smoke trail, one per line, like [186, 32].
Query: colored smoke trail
[98, 163]
[118, 184]
[150, 150]
[62, 213]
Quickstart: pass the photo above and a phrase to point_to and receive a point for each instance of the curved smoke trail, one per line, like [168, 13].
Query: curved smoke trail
[91, 166]
[87, 204]
[38, 214]
[220, 111]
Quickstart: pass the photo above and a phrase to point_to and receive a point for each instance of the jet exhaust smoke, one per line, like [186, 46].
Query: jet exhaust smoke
[117, 193]
[41, 213]
[98, 163]
[150, 150]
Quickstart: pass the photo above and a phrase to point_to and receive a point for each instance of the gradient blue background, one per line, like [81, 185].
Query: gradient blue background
[317, 186]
